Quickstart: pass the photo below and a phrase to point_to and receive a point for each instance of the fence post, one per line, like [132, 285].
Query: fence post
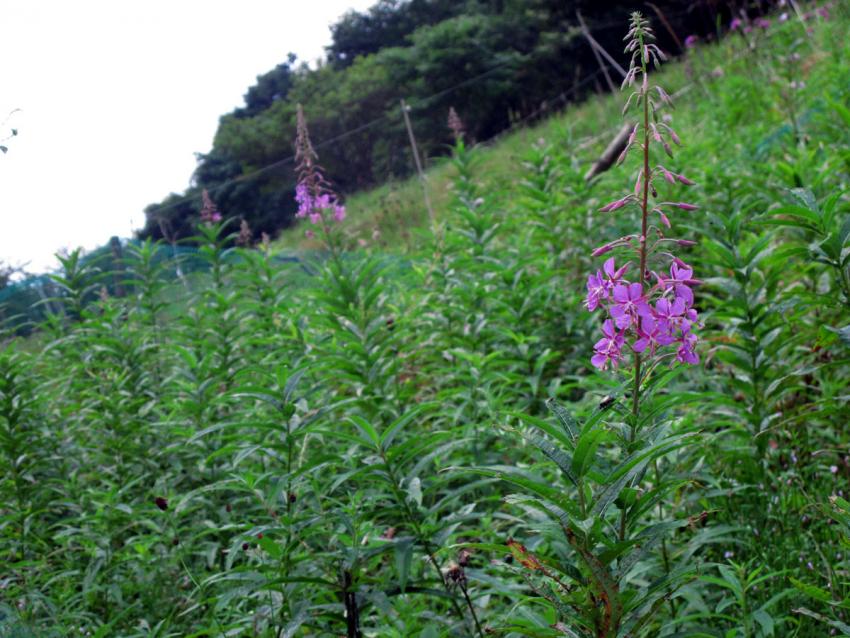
[163, 227]
[404, 110]
[597, 50]
[118, 266]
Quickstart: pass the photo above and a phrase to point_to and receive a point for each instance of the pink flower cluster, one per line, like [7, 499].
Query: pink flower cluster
[311, 206]
[661, 316]
[744, 25]
[209, 212]
[312, 193]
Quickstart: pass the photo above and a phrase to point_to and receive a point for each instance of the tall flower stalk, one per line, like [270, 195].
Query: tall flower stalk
[652, 313]
[316, 200]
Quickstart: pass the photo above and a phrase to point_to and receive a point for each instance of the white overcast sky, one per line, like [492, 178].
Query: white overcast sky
[116, 96]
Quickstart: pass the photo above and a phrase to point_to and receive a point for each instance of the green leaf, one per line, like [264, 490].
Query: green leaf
[561, 458]
[270, 547]
[399, 424]
[570, 425]
[403, 559]
[414, 490]
[585, 451]
[837, 624]
[366, 429]
[811, 590]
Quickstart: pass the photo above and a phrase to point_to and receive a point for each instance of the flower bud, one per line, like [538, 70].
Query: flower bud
[685, 206]
[606, 248]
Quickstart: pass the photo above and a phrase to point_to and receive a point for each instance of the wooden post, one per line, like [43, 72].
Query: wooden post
[611, 153]
[404, 110]
[118, 266]
[667, 26]
[598, 50]
[164, 229]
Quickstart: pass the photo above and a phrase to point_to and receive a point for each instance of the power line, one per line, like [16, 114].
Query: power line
[418, 104]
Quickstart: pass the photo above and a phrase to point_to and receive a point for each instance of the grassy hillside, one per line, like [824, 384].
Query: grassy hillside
[557, 416]
[397, 209]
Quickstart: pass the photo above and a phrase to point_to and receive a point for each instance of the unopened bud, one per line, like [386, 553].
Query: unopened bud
[685, 206]
[614, 205]
[606, 248]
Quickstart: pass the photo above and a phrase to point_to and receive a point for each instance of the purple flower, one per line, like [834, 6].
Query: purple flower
[599, 287]
[735, 24]
[685, 353]
[615, 275]
[209, 212]
[691, 41]
[651, 335]
[339, 212]
[629, 304]
[762, 23]
[670, 314]
[596, 291]
[681, 277]
[609, 348]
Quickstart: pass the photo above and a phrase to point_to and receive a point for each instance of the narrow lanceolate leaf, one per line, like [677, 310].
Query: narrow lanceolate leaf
[585, 451]
[612, 491]
[403, 559]
[554, 431]
[837, 624]
[389, 434]
[570, 425]
[644, 543]
[547, 493]
[366, 429]
[563, 460]
[811, 590]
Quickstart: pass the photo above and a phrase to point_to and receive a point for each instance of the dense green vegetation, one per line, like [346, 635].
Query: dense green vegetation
[494, 61]
[413, 442]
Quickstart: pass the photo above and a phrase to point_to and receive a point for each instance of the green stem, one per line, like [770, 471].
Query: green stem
[413, 520]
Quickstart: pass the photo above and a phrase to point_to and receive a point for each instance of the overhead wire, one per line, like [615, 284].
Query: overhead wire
[414, 105]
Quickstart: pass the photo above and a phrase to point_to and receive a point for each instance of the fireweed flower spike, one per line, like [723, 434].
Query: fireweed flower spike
[313, 194]
[455, 124]
[651, 314]
[209, 212]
